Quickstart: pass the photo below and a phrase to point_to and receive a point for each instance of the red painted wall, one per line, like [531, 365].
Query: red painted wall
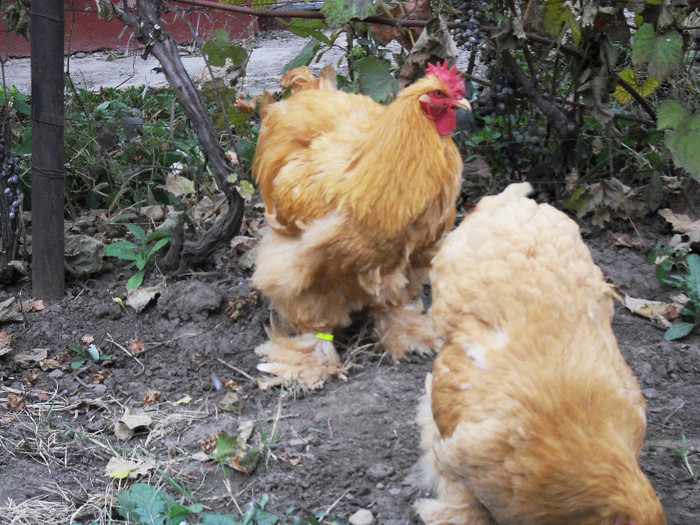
[86, 32]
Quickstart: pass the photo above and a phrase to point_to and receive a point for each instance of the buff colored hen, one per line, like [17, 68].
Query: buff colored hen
[357, 197]
[532, 415]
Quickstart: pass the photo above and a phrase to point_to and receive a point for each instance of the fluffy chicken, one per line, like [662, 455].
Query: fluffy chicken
[357, 196]
[532, 416]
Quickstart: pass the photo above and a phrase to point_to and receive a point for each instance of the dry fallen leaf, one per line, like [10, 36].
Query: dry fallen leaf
[229, 403]
[88, 339]
[49, 364]
[620, 239]
[182, 401]
[35, 354]
[150, 397]
[125, 427]
[654, 310]
[16, 402]
[9, 311]
[136, 346]
[291, 458]
[31, 305]
[99, 377]
[208, 443]
[681, 223]
[29, 379]
[5, 343]
[141, 297]
[122, 468]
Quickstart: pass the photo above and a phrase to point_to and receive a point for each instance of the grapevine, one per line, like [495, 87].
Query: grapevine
[10, 201]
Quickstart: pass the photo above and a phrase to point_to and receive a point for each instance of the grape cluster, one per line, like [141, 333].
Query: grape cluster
[468, 33]
[532, 137]
[10, 170]
[495, 100]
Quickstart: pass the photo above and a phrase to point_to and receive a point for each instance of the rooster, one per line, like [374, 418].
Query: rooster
[357, 197]
[532, 416]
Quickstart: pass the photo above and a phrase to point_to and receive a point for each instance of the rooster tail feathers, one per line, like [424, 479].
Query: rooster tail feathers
[302, 77]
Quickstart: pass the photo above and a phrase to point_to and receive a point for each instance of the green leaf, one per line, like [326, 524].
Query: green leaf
[660, 53]
[227, 446]
[263, 517]
[219, 49]
[558, 17]
[135, 280]
[93, 351]
[177, 514]
[122, 250]
[157, 235]
[247, 187]
[683, 137]
[339, 12]
[374, 78]
[218, 518]
[693, 262]
[142, 502]
[670, 114]
[137, 231]
[77, 363]
[157, 246]
[305, 27]
[678, 330]
[305, 56]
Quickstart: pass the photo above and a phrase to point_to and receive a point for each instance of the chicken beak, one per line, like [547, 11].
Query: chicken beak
[465, 119]
[463, 104]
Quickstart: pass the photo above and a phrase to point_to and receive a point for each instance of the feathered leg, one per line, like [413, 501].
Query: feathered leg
[453, 503]
[308, 358]
[406, 329]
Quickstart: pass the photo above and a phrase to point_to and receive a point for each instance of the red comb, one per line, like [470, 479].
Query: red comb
[449, 76]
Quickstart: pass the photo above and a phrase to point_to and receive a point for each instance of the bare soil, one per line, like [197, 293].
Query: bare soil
[351, 446]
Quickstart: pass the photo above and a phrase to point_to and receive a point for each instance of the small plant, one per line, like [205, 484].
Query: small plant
[143, 504]
[82, 355]
[139, 254]
[684, 451]
[665, 260]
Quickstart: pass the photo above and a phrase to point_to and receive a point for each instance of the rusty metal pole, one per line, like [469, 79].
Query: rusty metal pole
[47, 171]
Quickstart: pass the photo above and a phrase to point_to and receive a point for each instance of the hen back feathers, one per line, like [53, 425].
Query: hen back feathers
[534, 409]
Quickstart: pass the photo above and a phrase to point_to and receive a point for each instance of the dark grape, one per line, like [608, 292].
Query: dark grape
[10, 170]
[468, 33]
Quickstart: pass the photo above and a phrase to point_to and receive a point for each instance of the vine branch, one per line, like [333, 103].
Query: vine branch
[405, 22]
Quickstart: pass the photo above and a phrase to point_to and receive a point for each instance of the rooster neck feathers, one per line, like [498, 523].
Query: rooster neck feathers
[401, 159]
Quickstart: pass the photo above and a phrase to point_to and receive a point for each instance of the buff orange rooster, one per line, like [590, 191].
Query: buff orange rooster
[357, 196]
[532, 415]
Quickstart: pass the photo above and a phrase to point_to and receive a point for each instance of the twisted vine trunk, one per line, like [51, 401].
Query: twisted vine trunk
[145, 23]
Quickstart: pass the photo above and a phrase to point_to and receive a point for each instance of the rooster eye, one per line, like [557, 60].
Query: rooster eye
[439, 93]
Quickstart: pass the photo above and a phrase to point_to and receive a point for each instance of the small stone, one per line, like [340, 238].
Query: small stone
[296, 444]
[56, 374]
[361, 517]
[380, 471]
[99, 390]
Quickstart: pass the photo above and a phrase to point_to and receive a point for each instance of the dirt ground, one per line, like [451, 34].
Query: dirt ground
[351, 446]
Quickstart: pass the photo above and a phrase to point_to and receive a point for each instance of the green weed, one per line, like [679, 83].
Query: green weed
[82, 355]
[140, 253]
[666, 260]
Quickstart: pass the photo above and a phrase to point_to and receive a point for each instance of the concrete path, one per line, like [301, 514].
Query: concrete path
[110, 69]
